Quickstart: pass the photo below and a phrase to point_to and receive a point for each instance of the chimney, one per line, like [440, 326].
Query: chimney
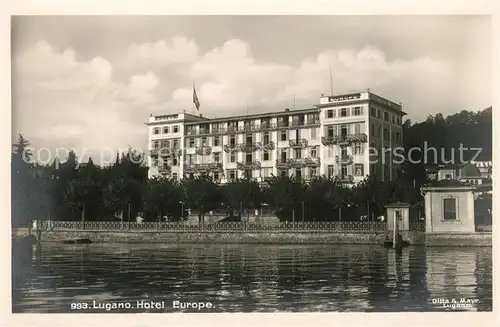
[201, 115]
[286, 109]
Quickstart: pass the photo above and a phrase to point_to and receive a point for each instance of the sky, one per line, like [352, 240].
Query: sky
[89, 83]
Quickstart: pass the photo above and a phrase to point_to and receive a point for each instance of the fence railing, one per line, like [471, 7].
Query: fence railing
[348, 227]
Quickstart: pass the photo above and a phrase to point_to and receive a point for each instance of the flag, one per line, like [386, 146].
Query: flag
[195, 99]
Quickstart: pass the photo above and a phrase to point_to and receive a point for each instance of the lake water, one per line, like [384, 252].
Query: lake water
[250, 278]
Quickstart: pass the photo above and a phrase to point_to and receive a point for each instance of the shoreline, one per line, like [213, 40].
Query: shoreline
[478, 239]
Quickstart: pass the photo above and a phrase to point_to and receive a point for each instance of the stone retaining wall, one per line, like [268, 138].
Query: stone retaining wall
[215, 237]
[458, 239]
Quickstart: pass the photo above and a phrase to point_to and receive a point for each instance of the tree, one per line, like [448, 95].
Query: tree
[162, 197]
[21, 182]
[202, 194]
[241, 194]
[284, 195]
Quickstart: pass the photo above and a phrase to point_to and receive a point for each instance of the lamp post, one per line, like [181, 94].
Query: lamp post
[182, 209]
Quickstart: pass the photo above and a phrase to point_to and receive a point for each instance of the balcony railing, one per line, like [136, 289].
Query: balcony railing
[268, 146]
[203, 150]
[312, 162]
[282, 164]
[345, 159]
[161, 152]
[248, 165]
[295, 162]
[194, 168]
[231, 147]
[298, 123]
[313, 122]
[250, 147]
[344, 139]
[283, 124]
[300, 143]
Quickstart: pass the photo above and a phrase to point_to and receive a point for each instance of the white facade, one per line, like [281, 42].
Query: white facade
[332, 138]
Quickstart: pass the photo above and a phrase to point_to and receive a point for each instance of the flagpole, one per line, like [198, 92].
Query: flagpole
[331, 81]
[194, 88]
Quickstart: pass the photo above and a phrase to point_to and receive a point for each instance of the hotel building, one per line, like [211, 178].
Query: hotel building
[333, 138]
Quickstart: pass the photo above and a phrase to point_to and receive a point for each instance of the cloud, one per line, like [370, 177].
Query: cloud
[61, 98]
[163, 53]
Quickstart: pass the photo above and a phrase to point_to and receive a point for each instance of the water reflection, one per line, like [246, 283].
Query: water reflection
[247, 278]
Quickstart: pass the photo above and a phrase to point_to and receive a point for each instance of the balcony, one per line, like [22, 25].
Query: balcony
[249, 127]
[268, 146]
[312, 162]
[295, 163]
[203, 150]
[231, 147]
[346, 178]
[164, 170]
[197, 168]
[283, 124]
[345, 159]
[312, 122]
[191, 132]
[282, 164]
[232, 129]
[300, 143]
[160, 152]
[298, 123]
[250, 147]
[358, 138]
[329, 140]
[248, 165]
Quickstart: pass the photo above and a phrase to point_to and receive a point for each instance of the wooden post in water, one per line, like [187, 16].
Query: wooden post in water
[83, 216]
[396, 241]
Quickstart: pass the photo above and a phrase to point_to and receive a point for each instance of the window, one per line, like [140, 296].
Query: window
[386, 116]
[373, 111]
[156, 130]
[314, 152]
[298, 153]
[313, 172]
[283, 172]
[358, 111]
[283, 155]
[283, 135]
[216, 140]
[190, 159]
[232, 157]
[232, 174]
[166, 130]
[266, 138]
[386, 134]
[203, 141]
[330, 151]
[330, 113]
[358, 169]
[174, 176]
[393, 119]
[298, 173]
[358, 149]
[450, 209]
[343, 152]
[154, 162]
[156, 144]
[330, 171]
[165, 144]
[176, 129]
[247, 173]
[379, 131]
[217, 157]
[392, 135]
[266, 156]
[175, 161]
[343, 170]
[314, 133]
[249, 157]
[379, 113]
[330, 131]
[232, 140]
[344, 112]
[249, 138]
[191, 143]
[373, 129]
[447, 176]
[398, 136]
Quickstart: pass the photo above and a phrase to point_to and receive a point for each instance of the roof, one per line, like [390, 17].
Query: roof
[398, 205]
[469, 171]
